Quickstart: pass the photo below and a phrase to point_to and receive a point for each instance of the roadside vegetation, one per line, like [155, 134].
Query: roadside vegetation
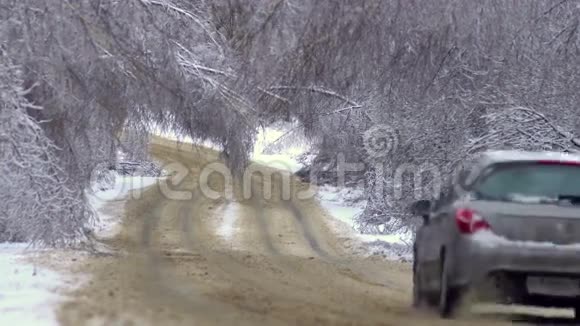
[382, 83]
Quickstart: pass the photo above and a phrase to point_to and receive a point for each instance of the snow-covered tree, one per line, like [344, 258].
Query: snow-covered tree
[38, 201]
[95, 67]
[440, 74]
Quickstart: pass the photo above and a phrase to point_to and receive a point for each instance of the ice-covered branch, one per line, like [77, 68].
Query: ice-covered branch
[315, 89]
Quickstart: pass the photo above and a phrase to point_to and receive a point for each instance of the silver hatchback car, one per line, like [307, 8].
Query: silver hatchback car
[512, 220]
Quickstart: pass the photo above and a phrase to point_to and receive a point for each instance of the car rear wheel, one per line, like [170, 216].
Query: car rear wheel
[449, 297]
[421, 298]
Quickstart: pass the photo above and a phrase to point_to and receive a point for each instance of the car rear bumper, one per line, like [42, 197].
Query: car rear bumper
[474, 261]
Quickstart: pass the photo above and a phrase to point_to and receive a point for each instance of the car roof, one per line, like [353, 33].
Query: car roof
[488, 158]
[507, 156]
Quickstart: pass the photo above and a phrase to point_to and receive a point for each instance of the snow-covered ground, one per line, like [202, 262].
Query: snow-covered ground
[280, 147]
[184, 139]
[286, 157]
[345, 204]
[228, 226]
[29, 294]
[109, 219]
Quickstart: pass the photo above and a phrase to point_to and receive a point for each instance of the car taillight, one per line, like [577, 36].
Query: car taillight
[469, 222]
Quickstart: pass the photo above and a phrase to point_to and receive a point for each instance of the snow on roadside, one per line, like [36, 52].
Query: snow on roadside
[227, 228]
[28, 294]
[280, 162]
[285, 159]
[183, 139]
[344, 204]
[110, 217]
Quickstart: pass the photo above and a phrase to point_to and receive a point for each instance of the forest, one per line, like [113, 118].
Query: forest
[382, 82]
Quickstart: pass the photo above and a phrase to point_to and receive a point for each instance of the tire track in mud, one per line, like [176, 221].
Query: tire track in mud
[198, 241]
[323, 243]
[261, 283]
[306, 273]
[345, 263]
[164, 285]
[321, 248]
[306, 230]
[196, 236]
[163, 281]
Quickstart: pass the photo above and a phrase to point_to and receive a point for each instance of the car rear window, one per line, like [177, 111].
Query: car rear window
[529, 181]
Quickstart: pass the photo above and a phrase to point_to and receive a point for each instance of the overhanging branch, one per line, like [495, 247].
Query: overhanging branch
[315, 89]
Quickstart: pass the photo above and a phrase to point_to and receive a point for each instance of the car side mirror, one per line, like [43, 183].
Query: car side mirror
[421, 208]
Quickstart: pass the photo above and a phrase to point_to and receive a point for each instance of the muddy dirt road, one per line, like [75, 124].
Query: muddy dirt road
[204, 261]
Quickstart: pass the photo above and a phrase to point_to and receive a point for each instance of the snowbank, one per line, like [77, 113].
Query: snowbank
[109, 219]
[227, 228]
[286, 158]
[281, 162]
[27, 293]
[184, 139]
[344, 204]
[123, 185]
